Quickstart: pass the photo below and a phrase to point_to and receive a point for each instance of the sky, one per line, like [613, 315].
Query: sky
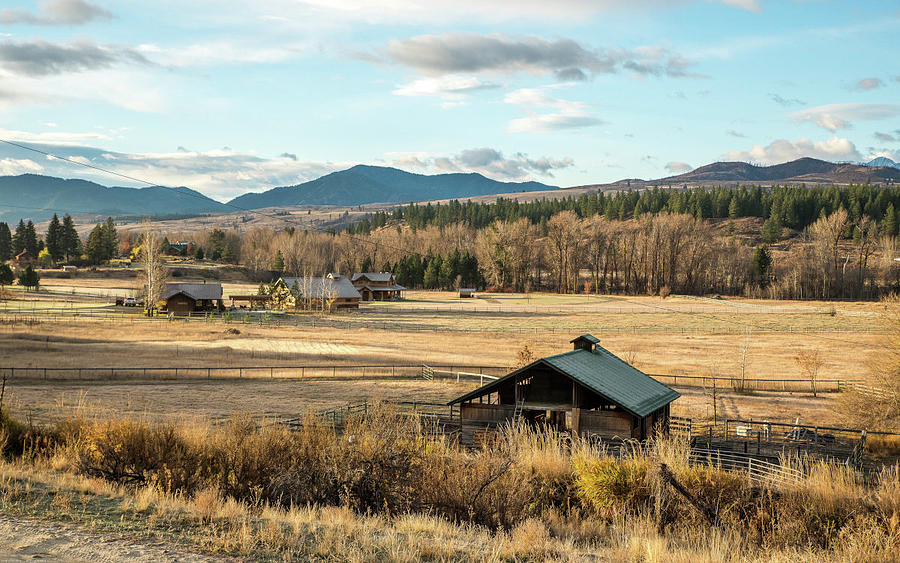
[233, 96]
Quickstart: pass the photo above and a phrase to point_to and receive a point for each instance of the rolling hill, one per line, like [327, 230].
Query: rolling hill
[363, 184]
[808, 170]
[37, 197]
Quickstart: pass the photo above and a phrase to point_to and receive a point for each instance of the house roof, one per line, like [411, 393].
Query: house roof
[588, 337]
[393, 287]
[196, 291]
[604, 373]
[377, 277]
[339, 288]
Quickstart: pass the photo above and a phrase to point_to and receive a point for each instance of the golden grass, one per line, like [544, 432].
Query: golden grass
[832, 516]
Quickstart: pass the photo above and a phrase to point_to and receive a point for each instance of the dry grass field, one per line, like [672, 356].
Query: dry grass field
[678, 335]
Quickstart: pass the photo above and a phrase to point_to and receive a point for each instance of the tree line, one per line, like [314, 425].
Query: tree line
[794, 207]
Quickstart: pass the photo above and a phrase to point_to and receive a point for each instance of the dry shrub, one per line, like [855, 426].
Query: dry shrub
[129, 452]
[607, 483]
[531, 539]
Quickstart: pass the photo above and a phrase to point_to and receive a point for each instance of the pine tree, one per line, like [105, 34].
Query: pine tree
[6, 275]
[110, 240]
[30, 241]
[760, 264]
[432, 278]
[5, 243]
[771, 229]
[70, 243]
[18, 239]
[734, 209]
[278, 262]
[54, 239]
[95, 245]
[889, 223]
[29, 278]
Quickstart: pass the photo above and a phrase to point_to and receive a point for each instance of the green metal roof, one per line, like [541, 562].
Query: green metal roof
[605, 374]
[589, 337]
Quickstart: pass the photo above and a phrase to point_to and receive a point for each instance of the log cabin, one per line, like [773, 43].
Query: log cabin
[587, 391]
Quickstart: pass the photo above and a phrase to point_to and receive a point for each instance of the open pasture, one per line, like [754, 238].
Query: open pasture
[678, 335]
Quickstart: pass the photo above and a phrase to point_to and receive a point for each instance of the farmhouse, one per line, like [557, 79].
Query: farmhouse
[377, 286]
[190, 297]
[314, 290]
[587, 391]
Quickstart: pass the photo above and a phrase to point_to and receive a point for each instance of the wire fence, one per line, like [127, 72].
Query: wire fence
[355, 372]
[347, 322]
[460, 373]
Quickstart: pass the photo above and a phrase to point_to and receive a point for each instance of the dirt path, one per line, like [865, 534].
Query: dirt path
[25, 539]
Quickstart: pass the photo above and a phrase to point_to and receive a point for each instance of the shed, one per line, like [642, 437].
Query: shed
[190, 297]
[587, 391]
[466, 292]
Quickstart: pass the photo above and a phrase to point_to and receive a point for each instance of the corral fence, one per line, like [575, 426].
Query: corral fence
[428, 412]
[757, 469]
[459, 373]
[749, 385]
[776, 440]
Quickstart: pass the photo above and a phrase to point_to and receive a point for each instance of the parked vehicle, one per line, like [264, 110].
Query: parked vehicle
[130, 302]
[120, 301]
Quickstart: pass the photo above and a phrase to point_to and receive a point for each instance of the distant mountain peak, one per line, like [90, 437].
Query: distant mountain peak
[366, 183]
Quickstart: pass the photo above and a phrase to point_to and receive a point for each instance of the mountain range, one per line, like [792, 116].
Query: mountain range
[363, 184]
[802, 170]
[38, 197]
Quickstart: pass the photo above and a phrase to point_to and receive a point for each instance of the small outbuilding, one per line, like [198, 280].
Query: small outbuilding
[183, 298]
[466, 292]
[587, 391]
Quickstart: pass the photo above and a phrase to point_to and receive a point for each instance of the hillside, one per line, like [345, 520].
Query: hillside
[38, 197]
[370, 184]
[800, 170]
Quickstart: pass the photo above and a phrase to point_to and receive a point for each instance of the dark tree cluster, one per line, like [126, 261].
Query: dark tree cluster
[795, 207]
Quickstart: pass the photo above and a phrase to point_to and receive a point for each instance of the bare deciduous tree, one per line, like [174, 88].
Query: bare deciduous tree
[154, 273]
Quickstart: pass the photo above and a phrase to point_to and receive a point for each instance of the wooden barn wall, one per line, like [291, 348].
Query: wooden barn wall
[485, 413]
[606, 423]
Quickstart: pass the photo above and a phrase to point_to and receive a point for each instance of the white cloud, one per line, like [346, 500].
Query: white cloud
[841, 116]
[749, 5]
[562, 114]
[55, 12]
[783, 150]
[468, 53]
[484, 160]
[52, 137]
[451, 87]
[868, 83]
[417, 11]
[15, 166]
[678, 167]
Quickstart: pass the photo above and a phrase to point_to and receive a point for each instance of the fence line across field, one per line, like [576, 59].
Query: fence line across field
[467, 373]
[457, 373]
[276, 320]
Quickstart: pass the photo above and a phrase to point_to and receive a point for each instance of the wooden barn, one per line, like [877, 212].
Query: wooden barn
[378, 286]
[190, 297]
[587, 391]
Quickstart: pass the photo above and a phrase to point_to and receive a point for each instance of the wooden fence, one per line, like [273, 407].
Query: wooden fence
[350, 321]
[458, 373]
[349, 372]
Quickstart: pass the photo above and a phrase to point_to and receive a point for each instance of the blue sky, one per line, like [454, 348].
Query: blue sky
[234, 96]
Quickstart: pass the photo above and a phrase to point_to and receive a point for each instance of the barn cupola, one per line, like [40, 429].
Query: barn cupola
[584, 342]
